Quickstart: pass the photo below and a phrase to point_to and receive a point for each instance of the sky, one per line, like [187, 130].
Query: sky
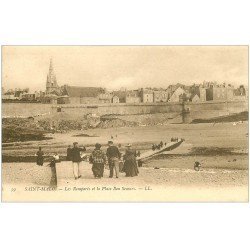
[131, 67]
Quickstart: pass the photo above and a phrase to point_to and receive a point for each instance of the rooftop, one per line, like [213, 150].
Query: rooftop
[74, 91]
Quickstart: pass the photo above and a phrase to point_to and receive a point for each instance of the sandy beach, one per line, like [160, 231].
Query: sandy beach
[164, 184]
[221, 149]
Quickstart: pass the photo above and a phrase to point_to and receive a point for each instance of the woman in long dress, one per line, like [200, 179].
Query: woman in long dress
[130, 164]
[39, 158]
[52, 165]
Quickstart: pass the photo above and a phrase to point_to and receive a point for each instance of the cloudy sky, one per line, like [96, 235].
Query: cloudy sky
[114, 67]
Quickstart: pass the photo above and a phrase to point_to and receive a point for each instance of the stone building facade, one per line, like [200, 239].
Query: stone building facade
[133, 96]
[160, 96]
[82, 95]
[147, 95]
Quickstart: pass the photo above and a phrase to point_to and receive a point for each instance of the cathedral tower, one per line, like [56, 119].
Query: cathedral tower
[51, 84]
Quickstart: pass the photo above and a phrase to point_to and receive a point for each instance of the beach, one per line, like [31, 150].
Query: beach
[165, 184]
[220, 138]
[222, 150]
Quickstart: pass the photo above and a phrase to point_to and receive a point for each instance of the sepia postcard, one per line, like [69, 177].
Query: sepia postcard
[125, 124]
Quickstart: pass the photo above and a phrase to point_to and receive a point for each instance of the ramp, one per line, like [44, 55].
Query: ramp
[169, 146]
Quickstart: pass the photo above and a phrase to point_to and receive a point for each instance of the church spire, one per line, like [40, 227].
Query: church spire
[51, 84]
[51, 65]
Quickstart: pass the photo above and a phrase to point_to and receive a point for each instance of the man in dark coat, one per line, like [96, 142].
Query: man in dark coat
[76, 159]
[68, 158]
[113, 155]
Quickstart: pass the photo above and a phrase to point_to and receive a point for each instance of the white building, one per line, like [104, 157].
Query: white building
[195, 98]
[115, 99]
[176, 95]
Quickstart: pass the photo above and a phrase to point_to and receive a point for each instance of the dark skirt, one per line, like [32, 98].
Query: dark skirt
[53, 180]
[130, 168]
[98, 169]
[39, 160]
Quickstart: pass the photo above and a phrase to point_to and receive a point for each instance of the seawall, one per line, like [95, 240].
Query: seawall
[206, 110]
[188, 111]
[121, 108]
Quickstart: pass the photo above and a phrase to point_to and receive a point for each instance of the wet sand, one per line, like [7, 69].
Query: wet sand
[223, 135]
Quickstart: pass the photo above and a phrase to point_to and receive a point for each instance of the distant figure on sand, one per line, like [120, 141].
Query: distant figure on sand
[98, 159]
[113, 155]
[68, 157]
[76, 159]
[139, 163]
[130, 164]
[39, 158]
[197, 166]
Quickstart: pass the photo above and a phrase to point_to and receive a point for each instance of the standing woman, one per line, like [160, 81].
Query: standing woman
[52, 165]
[39, 158]
[130, 164]
[98, 159]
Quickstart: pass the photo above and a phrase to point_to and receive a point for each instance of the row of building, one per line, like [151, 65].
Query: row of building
[67, 94]
[24, 95]
[174, 93]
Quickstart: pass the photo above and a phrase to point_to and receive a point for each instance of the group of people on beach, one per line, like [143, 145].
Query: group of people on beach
[158, 146]
[173, 139]
[112, 157]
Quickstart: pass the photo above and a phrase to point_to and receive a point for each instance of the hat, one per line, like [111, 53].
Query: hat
[56, 157]
[128, 145]
[98, 145]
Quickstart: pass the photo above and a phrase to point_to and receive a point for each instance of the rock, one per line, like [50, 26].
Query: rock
[116, 123]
